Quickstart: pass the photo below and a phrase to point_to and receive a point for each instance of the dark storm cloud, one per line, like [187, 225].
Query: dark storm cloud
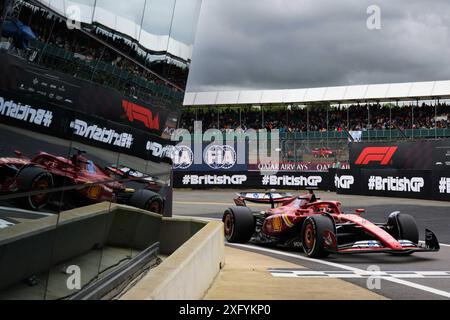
[275, 44]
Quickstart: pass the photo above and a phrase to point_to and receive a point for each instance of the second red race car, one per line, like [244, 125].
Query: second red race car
[47, 180]
[323, 153]
[320, 228]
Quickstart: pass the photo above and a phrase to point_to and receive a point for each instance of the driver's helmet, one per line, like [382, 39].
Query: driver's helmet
[78, 159]
[300, 202]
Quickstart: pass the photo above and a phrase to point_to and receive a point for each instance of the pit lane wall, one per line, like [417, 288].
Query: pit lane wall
[187, 273]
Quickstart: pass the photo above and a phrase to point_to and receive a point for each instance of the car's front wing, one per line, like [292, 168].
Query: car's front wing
[431, 244]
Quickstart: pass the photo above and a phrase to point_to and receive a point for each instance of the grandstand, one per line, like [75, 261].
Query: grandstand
[328, 118]
[105, 54]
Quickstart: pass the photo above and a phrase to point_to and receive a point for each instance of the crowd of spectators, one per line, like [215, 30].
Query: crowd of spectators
[354, 118]
[53, 31]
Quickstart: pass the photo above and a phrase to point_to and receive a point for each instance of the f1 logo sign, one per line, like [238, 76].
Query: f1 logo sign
[383, 155]
[138, 113]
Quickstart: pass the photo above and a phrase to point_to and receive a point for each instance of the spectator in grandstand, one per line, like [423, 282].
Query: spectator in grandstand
[381, 118]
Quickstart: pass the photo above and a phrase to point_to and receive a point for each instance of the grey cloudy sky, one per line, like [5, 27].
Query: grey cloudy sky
[277, 44]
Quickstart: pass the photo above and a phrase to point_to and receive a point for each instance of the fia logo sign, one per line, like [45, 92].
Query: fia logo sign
[182, 157]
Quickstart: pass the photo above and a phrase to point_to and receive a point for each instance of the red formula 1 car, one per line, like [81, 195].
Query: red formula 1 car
[68, 183]
[320, 227]
[323, 153]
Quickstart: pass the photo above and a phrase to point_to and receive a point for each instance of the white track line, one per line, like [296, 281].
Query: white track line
[345, 267]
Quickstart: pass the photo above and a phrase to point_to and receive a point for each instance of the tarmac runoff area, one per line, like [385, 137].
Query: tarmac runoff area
[245, 277]
[256, 272]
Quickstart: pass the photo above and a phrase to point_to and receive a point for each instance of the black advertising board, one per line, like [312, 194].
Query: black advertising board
[441, 185]
[48, 87]
[396, 183]
[35, 82]
[347, 182]
[418, 184]
[401, 155]
[252, 180]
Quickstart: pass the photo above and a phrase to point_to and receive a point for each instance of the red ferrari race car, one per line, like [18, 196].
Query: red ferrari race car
[323, 153]
[320, 227]
[49, 180]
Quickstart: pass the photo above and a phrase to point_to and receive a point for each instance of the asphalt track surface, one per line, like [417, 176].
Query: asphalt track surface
[429, 214]
[211, 204]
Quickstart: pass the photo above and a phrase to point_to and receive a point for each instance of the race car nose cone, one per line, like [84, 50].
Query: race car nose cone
[396, 245]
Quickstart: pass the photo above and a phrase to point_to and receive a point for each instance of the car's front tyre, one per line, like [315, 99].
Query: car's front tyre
[313, 231]
[403, 227]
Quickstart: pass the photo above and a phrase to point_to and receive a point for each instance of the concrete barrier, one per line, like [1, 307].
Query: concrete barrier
[33, 247]
[195, 247]
[189, 271]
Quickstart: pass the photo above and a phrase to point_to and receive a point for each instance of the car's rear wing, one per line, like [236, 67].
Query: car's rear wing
[271, 198]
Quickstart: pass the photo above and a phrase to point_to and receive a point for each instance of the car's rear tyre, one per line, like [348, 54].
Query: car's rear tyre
[313, 231]
[34, 179]
[147, 200]
[239, 224]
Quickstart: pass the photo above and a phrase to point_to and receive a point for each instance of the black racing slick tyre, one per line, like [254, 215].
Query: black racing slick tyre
[313, 230]
[147, 200]
[33, 179]
[239, 224]
[403, 227]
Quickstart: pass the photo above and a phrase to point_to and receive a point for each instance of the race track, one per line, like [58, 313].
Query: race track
[211, 203]
[395, 285]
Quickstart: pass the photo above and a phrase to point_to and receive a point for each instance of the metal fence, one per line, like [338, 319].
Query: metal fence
[332, 146]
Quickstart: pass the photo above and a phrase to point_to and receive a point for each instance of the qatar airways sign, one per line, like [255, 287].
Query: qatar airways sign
[298, 166]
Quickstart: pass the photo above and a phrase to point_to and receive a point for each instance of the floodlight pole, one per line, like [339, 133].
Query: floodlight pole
[368, 121]
[435, 117]
[390, 120]
[348, 116]
[262, 118]
[307, 124]
[287, 118]
[328, 125]
[240, 117]
[412, 119]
